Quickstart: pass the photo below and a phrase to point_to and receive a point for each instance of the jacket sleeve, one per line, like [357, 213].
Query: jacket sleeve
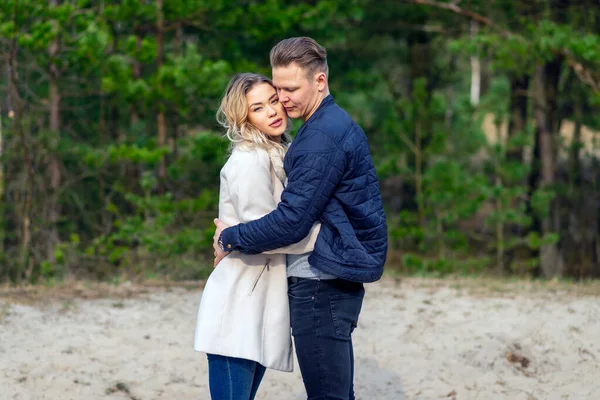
[251, 190]
[304, 246]
[315, 171]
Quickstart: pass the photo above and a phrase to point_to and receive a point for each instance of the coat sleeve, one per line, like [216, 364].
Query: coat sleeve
[251, 190]
[316, 169]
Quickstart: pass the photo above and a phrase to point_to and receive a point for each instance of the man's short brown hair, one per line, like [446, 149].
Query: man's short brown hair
[304, 51]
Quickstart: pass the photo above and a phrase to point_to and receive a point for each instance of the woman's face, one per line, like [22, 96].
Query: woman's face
[265, 111]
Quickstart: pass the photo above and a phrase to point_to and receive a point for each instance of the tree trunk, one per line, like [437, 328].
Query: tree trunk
[519, 86]
[161, 118]
[552, 77]
[2, 202]
[134, 117]
[595, 167]
[575, 148]
[54, 99]
[517, 123]
[545, 86]
[419, 173]
[421, 66]
[576, 208]
[175, 117]
[475, 70]
[22, 207]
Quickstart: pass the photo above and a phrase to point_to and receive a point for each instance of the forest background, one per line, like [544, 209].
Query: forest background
[482, 117]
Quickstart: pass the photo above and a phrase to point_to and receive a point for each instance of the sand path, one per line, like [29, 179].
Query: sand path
[417, 339]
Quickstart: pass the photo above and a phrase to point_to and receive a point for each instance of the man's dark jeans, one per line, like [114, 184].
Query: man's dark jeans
[323, 315]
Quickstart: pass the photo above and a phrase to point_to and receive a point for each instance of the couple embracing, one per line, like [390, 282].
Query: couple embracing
[301, 227]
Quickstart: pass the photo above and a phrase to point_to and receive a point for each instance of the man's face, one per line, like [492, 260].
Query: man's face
[298, 92]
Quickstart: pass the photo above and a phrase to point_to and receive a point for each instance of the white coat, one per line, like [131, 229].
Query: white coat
[244, 310]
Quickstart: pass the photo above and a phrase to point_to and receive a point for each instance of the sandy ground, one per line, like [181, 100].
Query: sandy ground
[417, 339]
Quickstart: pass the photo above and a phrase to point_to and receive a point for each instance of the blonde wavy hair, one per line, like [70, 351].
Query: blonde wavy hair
[233, 116]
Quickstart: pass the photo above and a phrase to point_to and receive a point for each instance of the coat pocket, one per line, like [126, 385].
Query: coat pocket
[265, 267]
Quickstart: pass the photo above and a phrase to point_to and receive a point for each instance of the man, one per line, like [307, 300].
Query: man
[331, 178]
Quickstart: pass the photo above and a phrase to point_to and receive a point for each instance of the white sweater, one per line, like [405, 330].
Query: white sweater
[244, 310]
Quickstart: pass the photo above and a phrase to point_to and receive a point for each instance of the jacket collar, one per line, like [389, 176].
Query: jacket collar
[326, 101]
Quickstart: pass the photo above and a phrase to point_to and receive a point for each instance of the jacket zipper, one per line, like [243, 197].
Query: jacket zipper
[266, 266]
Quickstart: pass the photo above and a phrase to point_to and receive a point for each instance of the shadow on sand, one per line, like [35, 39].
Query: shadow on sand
[371, 382]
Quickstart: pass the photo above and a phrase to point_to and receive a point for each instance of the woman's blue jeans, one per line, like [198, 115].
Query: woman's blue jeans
[233, 378]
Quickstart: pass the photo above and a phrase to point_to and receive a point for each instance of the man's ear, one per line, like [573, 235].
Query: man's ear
[321, 80]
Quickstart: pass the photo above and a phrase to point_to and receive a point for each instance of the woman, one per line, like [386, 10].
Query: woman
[243, 321]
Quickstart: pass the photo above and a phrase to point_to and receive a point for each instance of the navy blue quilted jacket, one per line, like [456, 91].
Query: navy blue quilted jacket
[331, 177]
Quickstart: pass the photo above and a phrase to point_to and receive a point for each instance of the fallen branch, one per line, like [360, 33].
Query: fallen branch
[464, 12]
[580, 70]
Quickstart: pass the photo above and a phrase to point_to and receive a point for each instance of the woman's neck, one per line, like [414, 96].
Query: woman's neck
[276, 139]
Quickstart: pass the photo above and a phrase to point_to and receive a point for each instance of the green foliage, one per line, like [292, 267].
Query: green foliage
[457, 198]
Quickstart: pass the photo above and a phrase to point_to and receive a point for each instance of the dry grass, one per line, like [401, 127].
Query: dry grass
[66, 291]
[505, 287]
[480, 286]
